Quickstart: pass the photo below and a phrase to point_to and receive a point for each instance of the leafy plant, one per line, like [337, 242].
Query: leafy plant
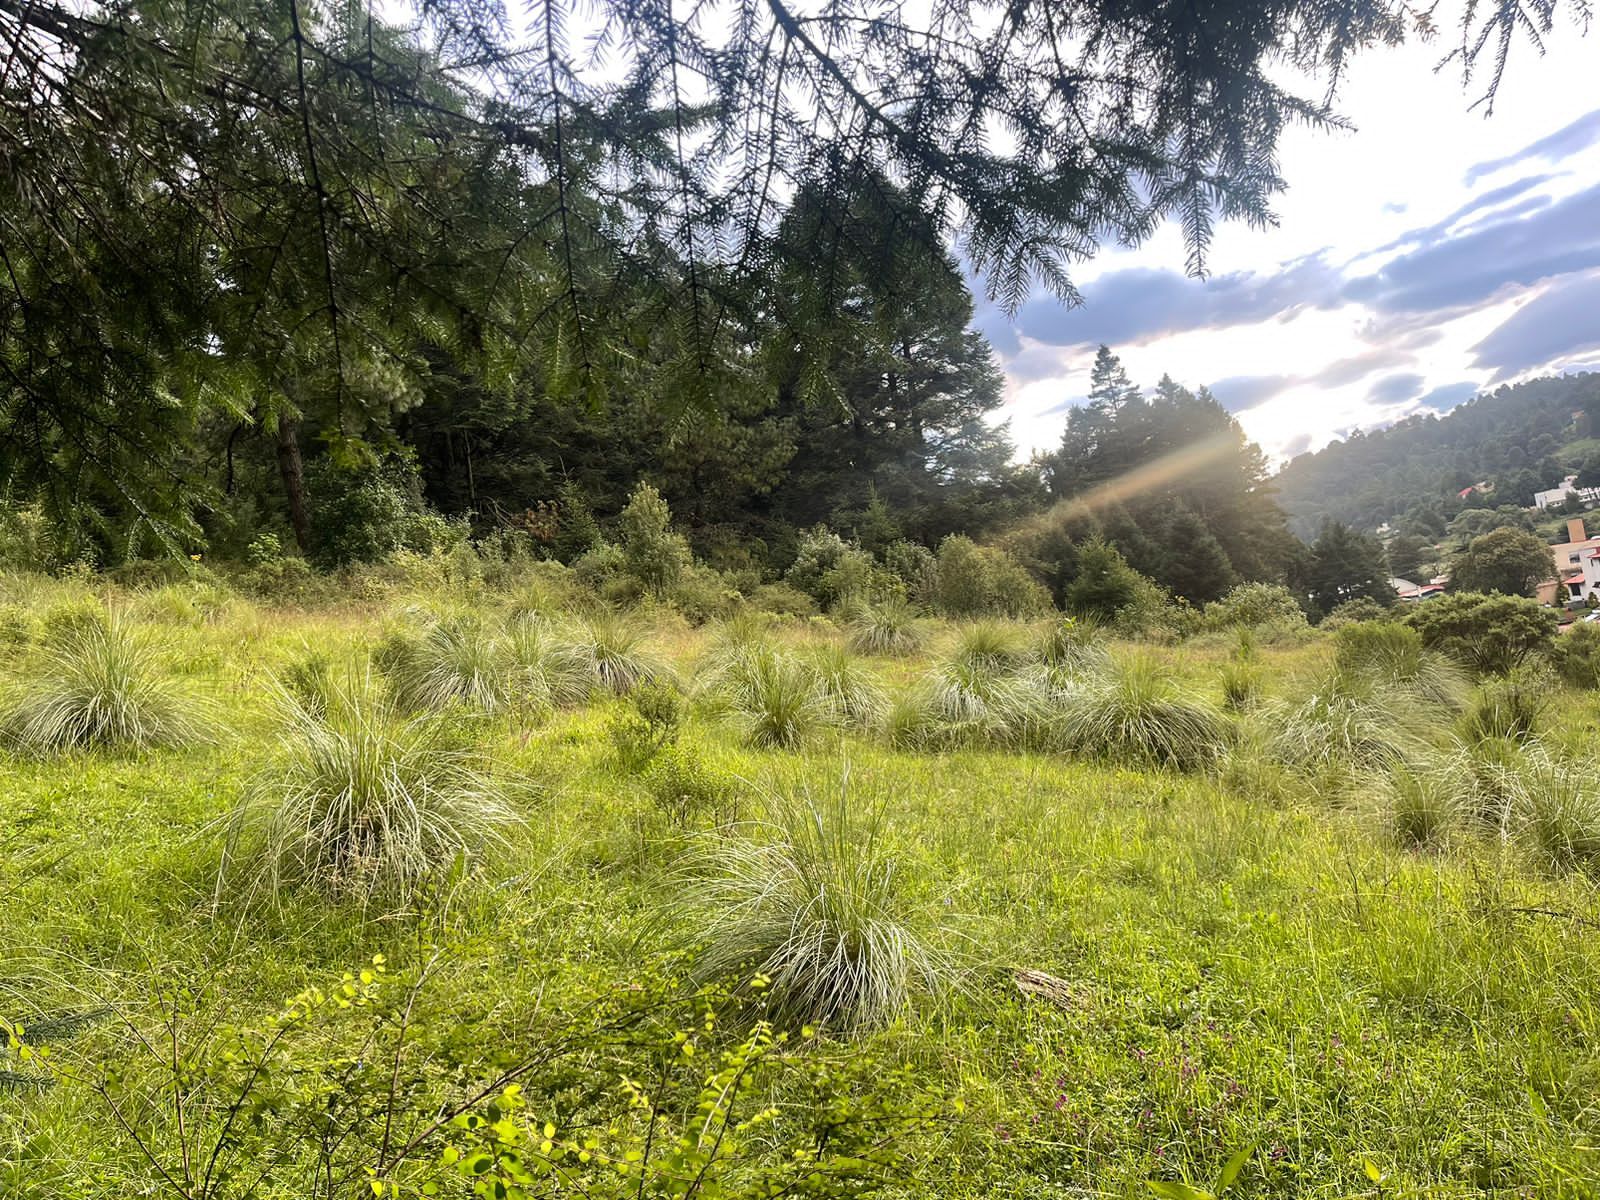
[687, 788]
[362, 801]
[808, 902]
[100, 684]
[649, 725]
[1226, 1178]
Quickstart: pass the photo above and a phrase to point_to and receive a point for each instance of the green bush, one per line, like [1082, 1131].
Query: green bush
[702, 595]
[782, 599]
[1104, 583]
[1254, 604]
[366, 514]
[1576, 654]
[984, 581]
[1351, 612]
[652, 554]
[1489, 633]
[649, 725]
[687, 789]
[833, 572]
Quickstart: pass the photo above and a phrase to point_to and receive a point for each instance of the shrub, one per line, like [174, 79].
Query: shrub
[1255, 604]
[651, 553]
[363, 802]
[1353, 612]
[1576, 654]
[1509, 707]
[1134, 712]
[1490, 633]
[782, 600]
[832, 571]
[809, 901]
[702, 595]
[650, 725]
[99, 683]
[687, 789]
[981, 581]
[915, 566]
[367, 514]
[889, 628]
[617, 654]
[1104, 583]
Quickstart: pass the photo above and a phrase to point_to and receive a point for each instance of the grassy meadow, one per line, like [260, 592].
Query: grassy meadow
[457, 890]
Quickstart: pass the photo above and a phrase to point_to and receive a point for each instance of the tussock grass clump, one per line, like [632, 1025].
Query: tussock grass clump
[1134, 712]
[809, 901]
[1422, 807]
[889, 628]
[453, 660]
[99, 683]
[1074, 645]
[993, 647]
[1509, 707]
[1241, 685]
[1392, 656]
[1555, 811]
[362, 801]
[545, 670]
[776, 700]
[850, 687]
[1345, 724]
[617, 653]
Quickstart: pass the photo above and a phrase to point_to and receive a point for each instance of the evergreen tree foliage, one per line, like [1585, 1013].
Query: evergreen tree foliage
[294, 224]
[1345, 565]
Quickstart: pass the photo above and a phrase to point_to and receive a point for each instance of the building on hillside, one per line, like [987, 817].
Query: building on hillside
[1557, 496]
[1404, 589]
[1577, 563]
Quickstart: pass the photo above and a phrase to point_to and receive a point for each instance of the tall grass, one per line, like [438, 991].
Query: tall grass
[100, 683]
[1133, 712]
[890, 627]
[544, 668]
[1555, 811]
[993, 647]
[1392, 656]
[453, 660]
[1345, 724]
[1074, 645]
[809, 900]
[1422, 806]
[617, 653]
[776, 700]
[362, 801]
[854, 691]
[1509, 707]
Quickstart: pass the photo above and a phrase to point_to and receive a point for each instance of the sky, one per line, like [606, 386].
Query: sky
[1429, 253]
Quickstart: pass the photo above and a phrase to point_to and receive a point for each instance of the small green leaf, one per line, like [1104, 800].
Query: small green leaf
[1371, 1168]
[1230, 1170]
[1172, 1190]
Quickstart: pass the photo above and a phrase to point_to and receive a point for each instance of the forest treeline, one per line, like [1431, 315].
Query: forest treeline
[343, 286]
[1505, 445]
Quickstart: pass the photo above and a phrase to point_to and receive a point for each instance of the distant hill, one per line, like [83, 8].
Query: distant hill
[1517, 439]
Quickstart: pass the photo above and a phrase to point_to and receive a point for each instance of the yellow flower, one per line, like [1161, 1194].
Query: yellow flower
[194, 558]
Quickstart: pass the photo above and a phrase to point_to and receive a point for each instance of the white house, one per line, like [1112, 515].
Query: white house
[1558, 496]
[1577, 563]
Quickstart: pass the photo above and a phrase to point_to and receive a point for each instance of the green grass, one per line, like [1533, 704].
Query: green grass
[1412, 981]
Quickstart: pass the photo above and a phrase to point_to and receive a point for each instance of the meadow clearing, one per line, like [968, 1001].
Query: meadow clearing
[456, 889]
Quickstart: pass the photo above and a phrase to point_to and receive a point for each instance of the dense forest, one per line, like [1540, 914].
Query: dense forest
[1517, 440]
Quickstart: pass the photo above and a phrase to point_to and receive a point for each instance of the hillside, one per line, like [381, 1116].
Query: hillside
[1519, 439]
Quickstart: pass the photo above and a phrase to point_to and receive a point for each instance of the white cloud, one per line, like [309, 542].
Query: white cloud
[1281, 317]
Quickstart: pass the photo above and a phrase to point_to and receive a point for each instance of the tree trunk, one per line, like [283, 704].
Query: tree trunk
[294, 482]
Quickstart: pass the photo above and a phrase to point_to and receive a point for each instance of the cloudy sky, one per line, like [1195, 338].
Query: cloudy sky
[1427, 254]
